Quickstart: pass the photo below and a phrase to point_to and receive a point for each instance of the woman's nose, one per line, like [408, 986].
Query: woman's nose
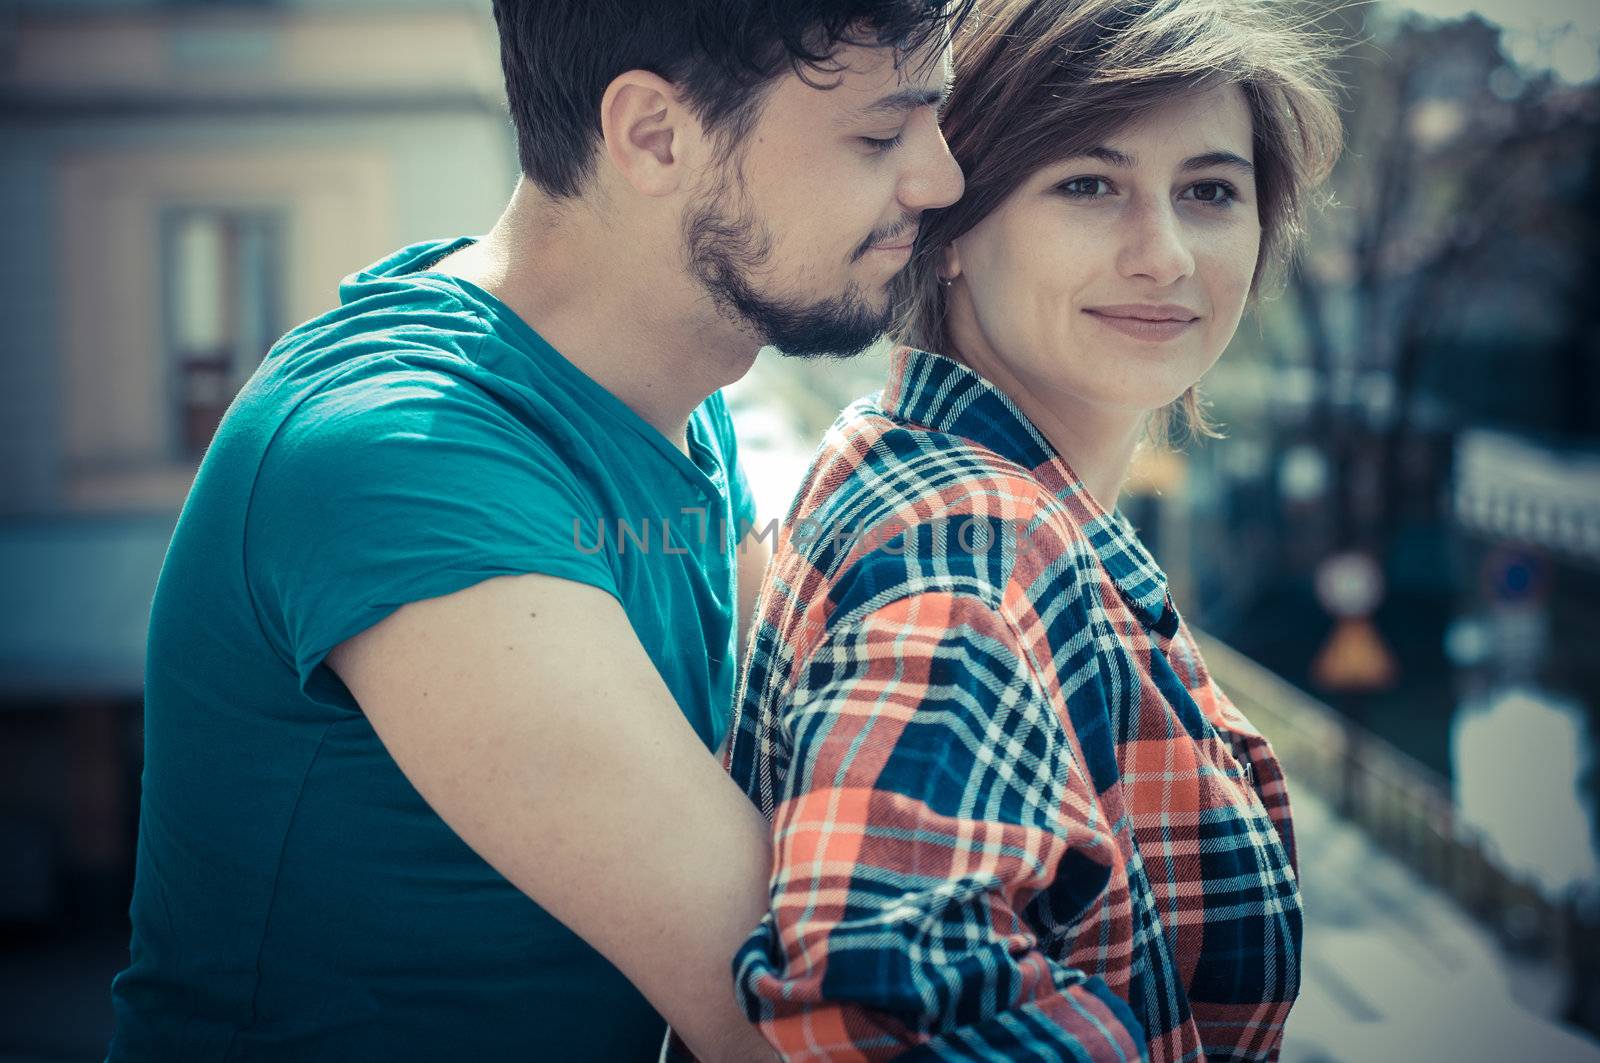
[1154, 245]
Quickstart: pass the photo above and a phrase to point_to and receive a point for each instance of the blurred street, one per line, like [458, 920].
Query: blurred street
[1395, 971]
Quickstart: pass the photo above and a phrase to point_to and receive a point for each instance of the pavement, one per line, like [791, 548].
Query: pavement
[1394, 970]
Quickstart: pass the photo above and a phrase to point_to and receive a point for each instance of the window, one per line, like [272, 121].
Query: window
[178, 268]
[222, 312]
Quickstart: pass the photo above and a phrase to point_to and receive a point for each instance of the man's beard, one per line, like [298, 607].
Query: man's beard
[727, 244]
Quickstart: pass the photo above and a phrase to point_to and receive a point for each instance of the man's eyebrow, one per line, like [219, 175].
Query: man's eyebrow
[897, 103]
[1204, 161]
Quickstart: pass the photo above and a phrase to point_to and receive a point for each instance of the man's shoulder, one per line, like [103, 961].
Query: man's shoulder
[405, 356]
[426, 322]
[421, 419]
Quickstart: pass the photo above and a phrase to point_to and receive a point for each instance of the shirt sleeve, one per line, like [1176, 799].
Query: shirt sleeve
[931, 797]
[398, 489]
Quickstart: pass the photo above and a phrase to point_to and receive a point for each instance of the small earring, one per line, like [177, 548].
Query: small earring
[945, 282]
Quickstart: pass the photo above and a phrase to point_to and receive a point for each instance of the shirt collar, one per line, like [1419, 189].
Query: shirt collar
[942, 394]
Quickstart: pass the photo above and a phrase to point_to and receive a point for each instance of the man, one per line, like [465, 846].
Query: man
[441, 645]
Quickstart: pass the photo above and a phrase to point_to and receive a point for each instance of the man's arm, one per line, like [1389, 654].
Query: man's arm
[754, 555]
[931, 796]
[527, 714]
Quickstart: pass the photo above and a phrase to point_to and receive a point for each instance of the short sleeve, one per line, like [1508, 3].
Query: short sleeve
[401, 487]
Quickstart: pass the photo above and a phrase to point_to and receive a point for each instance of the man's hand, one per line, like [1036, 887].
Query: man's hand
[527, 714]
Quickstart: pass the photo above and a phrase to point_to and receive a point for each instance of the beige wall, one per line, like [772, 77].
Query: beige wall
[207, 54]
[339, 215]
[342, 206]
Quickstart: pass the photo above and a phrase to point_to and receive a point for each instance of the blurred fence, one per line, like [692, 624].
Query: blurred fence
[1406, 808]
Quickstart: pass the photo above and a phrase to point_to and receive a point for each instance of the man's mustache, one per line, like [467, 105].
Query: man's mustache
[888, 234]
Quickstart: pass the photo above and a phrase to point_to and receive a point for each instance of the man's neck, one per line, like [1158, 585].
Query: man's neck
[605, 309]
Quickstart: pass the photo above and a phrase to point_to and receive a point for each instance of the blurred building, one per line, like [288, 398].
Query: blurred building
[1523, 645]
[181, 182]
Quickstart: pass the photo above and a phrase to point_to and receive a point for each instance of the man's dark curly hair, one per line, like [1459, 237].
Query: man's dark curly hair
[559, 56]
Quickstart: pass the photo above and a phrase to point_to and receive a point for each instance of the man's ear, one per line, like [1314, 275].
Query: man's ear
[648, 132]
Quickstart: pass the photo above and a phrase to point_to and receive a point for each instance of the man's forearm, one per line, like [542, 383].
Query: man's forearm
[530, 719]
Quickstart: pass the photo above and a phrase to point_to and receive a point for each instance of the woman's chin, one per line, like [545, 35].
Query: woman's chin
[1138, 401]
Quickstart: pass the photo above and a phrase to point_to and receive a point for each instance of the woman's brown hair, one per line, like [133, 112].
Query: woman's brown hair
[1038, 81]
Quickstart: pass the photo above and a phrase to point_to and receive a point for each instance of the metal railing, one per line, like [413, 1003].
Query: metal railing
[1406, 808]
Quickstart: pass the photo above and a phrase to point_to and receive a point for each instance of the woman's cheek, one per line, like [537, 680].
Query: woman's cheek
[1246, 249]
[1229, 290]
[1229, 266]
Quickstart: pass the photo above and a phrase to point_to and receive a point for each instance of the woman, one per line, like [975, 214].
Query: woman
[1013, 816]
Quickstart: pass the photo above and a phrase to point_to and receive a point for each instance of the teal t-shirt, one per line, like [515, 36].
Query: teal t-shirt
[296, 899]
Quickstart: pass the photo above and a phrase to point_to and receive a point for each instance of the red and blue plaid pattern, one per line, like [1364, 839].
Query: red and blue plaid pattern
[1013, 816]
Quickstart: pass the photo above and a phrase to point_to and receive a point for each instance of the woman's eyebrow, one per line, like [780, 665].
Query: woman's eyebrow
[1111, 157]
[1218, 158]
[1203, 161]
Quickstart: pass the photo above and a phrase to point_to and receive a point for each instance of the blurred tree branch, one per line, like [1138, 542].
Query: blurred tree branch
[1457, 170]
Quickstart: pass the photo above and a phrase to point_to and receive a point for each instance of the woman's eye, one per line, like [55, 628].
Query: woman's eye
[883, 143]
[1086, 187]
[1214, 192]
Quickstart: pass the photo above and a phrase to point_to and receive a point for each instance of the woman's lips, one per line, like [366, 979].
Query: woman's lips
[1156, 330]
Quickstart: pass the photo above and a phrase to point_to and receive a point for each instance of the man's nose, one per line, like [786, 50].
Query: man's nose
[933, 179]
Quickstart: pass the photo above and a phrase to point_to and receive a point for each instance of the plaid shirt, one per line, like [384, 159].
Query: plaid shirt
[1013, 816]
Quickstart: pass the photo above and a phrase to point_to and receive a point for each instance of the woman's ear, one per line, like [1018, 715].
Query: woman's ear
[949, 263]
